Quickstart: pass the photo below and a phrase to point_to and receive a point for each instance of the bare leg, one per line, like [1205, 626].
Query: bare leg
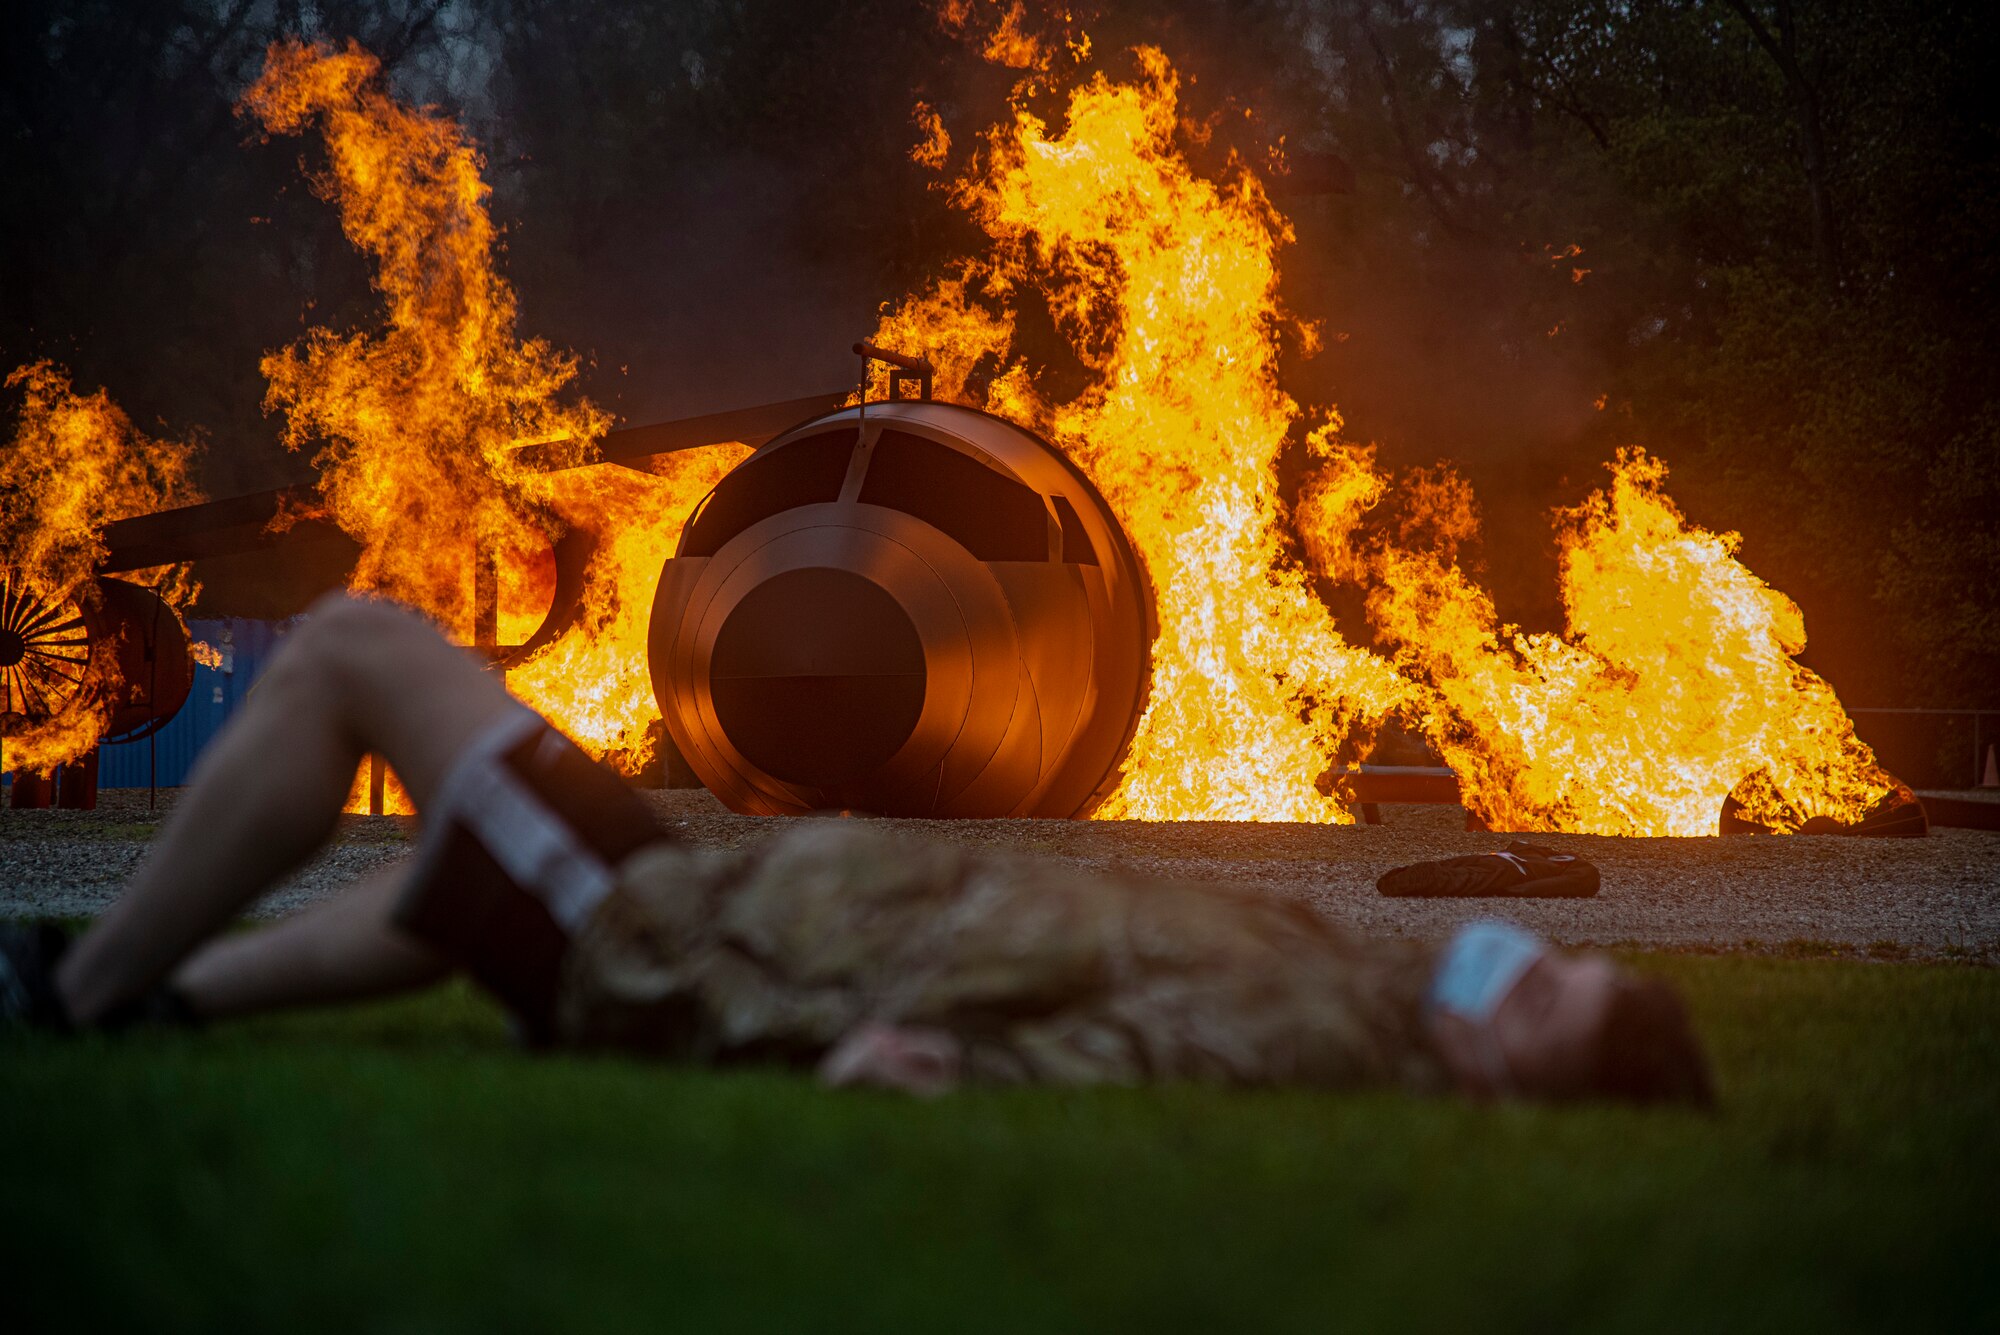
[359, 677]
[344, 949]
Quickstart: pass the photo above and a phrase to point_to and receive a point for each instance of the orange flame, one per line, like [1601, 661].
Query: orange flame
[594, 680]
[423, 422]
[1674, 685]
[1164, 284]
[1010, 43]
[360, 794]
[75, 464]
[1004, 34]
[934, 149]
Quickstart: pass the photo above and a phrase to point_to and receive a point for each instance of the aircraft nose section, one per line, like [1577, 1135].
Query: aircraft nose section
[818, 676]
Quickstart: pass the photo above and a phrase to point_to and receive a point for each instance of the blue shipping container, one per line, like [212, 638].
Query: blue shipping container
[166, 757]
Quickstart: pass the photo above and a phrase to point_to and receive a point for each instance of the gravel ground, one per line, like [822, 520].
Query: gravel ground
[1937, 897]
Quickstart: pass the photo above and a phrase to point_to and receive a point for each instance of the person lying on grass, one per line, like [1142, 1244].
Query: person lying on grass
[877, 959]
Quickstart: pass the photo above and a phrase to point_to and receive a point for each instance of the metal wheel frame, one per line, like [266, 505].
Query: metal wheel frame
[49, 642]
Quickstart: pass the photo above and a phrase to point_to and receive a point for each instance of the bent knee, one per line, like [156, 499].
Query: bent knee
[343, 635]
[340, 623]
[342, 614]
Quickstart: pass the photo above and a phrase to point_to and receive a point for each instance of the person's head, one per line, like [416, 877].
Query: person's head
[1580, 1027]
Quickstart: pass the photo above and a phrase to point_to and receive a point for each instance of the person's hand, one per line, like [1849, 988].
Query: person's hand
[915, 1060]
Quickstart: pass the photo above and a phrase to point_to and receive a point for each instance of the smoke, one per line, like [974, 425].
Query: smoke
[1429, 357]
[709, 301]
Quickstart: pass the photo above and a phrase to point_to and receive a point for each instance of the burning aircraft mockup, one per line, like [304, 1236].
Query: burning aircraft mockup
[909, 608]
[1041, 595]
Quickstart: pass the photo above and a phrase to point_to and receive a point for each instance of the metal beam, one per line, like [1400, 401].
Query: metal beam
[243, 523]
[216, 528]
[637, 446]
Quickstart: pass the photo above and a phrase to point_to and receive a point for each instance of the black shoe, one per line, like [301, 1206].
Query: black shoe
[28, 955]
[1520, 871]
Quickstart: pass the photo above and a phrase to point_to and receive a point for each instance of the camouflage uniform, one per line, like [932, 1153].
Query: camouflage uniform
[1043, 973]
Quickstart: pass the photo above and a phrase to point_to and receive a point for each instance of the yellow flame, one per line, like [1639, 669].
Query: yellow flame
[419, 425]
[75, 464]
[1165, 286]
[1674, 685]
[594, 680]
[1010, 43]
[360, 795]
[422, 423]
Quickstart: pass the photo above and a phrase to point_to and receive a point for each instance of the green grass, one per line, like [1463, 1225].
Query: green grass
[401, 1169]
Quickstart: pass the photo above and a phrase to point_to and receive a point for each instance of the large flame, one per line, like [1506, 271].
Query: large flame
[75, 464]
[1674, 685]
[1164, 284]
[594, 679]
[421, 425]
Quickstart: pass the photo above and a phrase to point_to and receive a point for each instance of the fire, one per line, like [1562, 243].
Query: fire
[934, 149]
[1011, 45]
[1674, 688]
[360, 795]
[75, 464]
[1674, 684]
[1005, 35]
[421, 425]
[1164, 285]
[594, 679]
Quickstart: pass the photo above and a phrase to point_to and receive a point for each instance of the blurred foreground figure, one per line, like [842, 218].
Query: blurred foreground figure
[878, 959]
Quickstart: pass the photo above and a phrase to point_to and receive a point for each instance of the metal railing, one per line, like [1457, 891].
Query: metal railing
[1983, 734]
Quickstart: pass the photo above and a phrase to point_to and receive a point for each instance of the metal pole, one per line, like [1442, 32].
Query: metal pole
[861, 409]
[153, 694]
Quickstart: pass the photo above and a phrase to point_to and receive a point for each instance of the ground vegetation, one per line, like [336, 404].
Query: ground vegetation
[401, 1167]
